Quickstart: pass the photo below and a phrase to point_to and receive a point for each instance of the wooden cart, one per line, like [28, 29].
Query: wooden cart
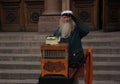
[54, 65]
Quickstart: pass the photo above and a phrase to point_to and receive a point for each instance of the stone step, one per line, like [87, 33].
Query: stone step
[19, 76]
[101, 33]
[86, 43]
[20, 57]
[19, 63]
[106, 63]
[106, 57]
[35, 81]
[32, 58]
[96, 57]
[20, 66]
[88, 38]
[81, 81]
[92, 43]
[22, 36]
[37, 57]
[106, 82]
[17, 44]
[20, 50]
[18, 81]
[98, 34]
[107, 66]
[22, 71]
[36, 50]
[28, 63]
[92, 37]
[106, 75]
[104, 50]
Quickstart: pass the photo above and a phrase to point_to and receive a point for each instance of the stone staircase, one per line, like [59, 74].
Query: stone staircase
[106, 56]
[20, 57]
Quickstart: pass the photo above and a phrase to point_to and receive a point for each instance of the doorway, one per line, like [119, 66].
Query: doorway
[20, 15]
[100, 14]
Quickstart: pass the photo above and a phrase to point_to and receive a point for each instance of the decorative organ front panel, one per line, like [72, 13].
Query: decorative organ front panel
[54, 59]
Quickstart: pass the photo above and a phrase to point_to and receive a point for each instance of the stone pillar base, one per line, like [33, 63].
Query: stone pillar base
[48, 23]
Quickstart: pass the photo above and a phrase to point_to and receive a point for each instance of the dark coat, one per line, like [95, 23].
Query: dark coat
[76, 53]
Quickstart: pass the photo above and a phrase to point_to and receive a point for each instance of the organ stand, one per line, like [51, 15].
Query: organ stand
[54, 64]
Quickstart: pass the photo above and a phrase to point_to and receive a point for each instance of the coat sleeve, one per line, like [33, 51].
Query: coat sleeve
[81, 27]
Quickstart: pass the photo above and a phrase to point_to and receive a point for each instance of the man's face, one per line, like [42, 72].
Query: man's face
[66, 18]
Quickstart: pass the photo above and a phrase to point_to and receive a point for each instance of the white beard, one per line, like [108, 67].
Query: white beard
[66, 28]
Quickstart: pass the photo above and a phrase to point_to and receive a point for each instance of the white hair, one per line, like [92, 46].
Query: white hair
[66, 27]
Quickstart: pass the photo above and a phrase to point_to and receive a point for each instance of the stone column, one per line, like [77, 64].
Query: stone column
[65, 4]
[48, 21]
[52, 7]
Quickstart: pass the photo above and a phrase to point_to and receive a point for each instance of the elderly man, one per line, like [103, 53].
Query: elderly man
[72, 30]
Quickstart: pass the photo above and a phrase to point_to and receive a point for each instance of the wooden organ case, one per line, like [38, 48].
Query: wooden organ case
[54, 60]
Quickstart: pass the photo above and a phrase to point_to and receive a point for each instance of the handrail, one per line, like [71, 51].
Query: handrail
[89, 66]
